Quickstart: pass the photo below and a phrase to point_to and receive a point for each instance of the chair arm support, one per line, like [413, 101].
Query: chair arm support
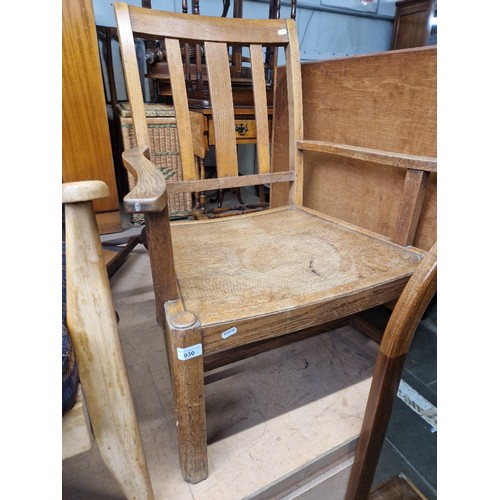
[149, 194]
[426, 163]
[410, 307]
[79, 191]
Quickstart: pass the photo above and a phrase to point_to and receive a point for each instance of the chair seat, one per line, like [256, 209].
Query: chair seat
[253, 266]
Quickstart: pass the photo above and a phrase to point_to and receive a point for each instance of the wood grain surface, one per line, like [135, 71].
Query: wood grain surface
[92, 324]
[384, 102]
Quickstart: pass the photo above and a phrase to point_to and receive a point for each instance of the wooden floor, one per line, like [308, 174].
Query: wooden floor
[274, 422]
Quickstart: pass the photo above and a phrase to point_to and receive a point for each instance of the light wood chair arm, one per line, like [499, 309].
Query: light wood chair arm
[414, 162]
[149, 194]
[76, 192]
[92, 324]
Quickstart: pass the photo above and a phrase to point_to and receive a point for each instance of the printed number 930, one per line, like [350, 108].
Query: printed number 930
[189, 352]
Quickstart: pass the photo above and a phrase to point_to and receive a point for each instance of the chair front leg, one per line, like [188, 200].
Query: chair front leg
[161, 257]
[383, 390]
[185, 354]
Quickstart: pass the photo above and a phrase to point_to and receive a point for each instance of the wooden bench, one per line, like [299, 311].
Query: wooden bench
[384, 102]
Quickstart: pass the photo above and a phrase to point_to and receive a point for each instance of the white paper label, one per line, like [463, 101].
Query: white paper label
[282, 31]
[189, 352]
[229, 332]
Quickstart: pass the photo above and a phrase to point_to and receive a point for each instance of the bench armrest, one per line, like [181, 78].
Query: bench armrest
[426, 163]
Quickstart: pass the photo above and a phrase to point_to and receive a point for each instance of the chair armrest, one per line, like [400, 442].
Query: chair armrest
[411, 306]
[149, 194]
[390, 158]
[79, 191]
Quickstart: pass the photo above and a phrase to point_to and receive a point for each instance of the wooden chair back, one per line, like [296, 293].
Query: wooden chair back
[195, 67]
[240, 76]
[215, 34]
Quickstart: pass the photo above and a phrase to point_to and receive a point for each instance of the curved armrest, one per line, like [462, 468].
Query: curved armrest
[411, 306]
[149, 194]
[79, 191]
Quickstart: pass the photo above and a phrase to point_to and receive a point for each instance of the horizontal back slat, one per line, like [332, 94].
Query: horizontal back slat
[204, 28]
[175, 187]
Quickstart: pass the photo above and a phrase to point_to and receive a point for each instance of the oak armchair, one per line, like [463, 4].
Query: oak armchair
[223, 284]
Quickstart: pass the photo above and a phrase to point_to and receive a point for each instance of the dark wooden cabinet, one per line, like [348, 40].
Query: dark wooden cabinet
[412, 23]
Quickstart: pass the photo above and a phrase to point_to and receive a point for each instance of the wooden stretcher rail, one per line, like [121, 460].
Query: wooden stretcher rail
[150, 192]
[401, 160]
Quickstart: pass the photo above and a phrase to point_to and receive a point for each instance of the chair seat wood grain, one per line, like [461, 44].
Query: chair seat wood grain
[295, 267]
